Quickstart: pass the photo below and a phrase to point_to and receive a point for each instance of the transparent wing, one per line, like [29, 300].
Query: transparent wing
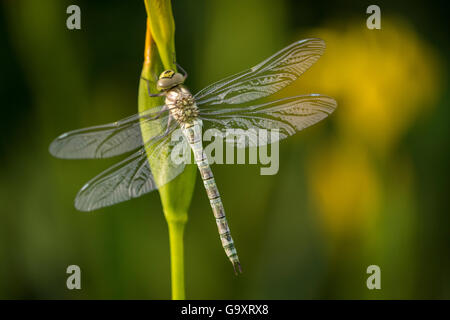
[266, 78]
[248, 126]
[133, 177]
[108, 140]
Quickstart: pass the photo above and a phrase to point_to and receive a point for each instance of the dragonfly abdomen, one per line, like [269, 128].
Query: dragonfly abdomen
[193, 135]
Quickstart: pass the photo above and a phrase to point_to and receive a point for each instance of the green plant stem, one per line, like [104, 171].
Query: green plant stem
[176, 232]
[176, 195]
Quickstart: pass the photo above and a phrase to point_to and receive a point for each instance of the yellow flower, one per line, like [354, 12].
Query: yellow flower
[382, 79]
[344, 187]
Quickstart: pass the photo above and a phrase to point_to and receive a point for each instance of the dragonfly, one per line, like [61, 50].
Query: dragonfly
[223, 105]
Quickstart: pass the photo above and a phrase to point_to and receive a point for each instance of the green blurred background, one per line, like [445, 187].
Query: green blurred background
[369, 185]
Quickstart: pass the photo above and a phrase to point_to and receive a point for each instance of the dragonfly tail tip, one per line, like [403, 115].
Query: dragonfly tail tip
[237, 267]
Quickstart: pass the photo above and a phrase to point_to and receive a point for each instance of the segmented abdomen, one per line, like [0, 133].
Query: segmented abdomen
[192, 132]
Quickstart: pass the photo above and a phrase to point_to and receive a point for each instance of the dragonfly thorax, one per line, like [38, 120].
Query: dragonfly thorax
[181, 104]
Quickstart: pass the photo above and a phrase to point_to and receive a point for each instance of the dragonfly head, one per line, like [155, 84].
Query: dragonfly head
[169, 79]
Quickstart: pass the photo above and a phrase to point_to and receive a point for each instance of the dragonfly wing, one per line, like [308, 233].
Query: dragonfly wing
[266, 78]
[242, 125]
[108, 140]
[131, 177]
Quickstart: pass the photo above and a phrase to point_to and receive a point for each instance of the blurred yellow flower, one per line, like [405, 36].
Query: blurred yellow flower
[344, 187]
[382, 80]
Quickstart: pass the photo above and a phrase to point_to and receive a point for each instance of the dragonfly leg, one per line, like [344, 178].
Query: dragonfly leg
[152, 94]
[185, 74]
[168, 130]
[169, 121]
[160, 112]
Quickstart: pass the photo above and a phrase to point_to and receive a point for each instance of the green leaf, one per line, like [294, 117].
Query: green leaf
[162, 28]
